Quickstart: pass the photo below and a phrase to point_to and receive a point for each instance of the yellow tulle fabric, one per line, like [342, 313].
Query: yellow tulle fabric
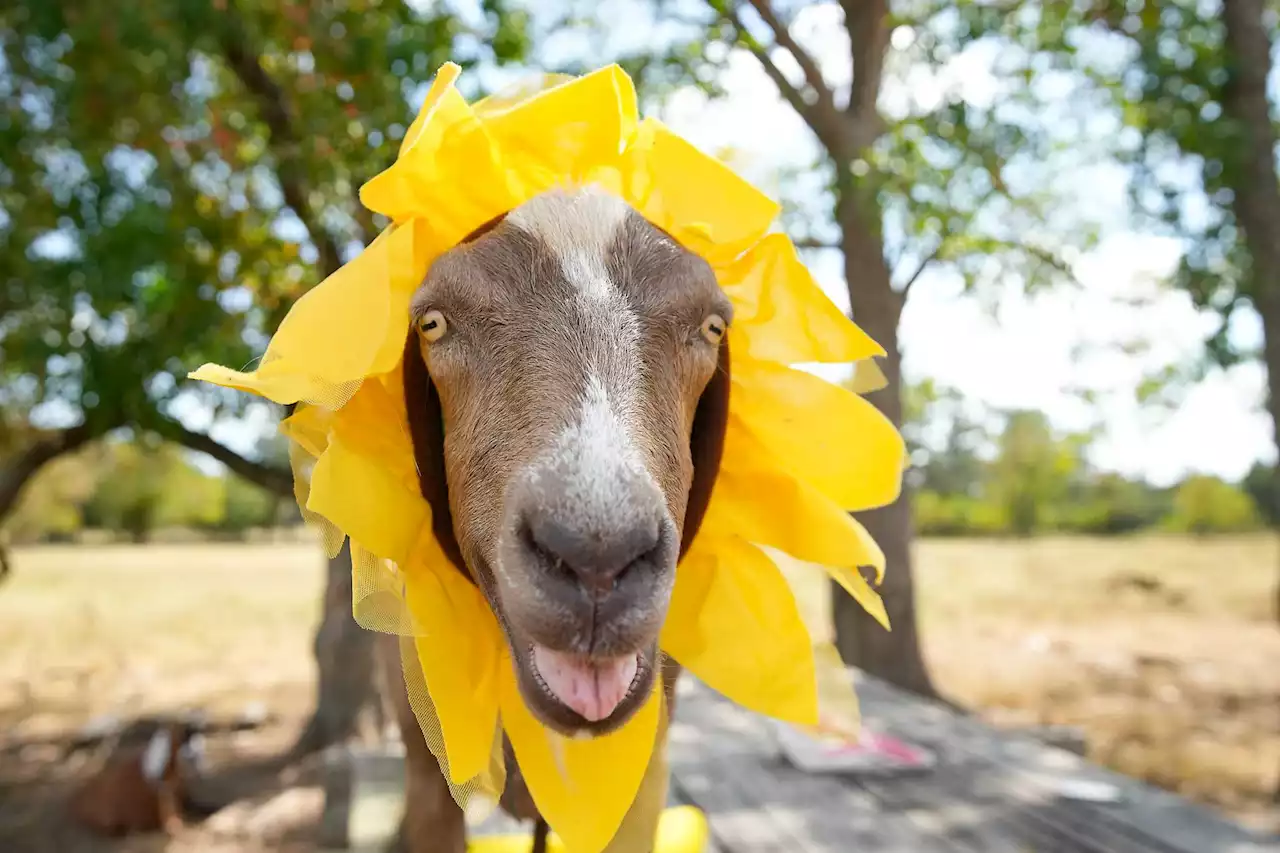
[800, 452]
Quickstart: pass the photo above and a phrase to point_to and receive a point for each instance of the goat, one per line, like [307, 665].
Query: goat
[566, 378]
[142, 788]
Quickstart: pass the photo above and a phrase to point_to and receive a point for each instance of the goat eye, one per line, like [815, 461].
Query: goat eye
[431, 326]
[713, 328]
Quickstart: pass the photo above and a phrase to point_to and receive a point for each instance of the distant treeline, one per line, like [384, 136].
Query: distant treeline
[130, 490]
[1104, 504]
[1022, 477]
[1017, 479]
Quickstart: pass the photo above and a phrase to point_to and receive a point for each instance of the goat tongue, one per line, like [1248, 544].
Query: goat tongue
[591, 688]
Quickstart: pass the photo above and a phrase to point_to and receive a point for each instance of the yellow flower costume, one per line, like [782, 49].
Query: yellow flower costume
[799, 452]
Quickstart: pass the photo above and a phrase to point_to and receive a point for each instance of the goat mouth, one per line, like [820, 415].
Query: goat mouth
[592, 687]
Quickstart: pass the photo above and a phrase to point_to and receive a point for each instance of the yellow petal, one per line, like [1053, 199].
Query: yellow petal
[308, 426]
[775, 509]
[867, 377]
[849, 578]
[461, 650]
[302, 464]
[449, 173]
[367, 502]
[350, 325]
[783, 314]
[374, 424]
[442, 97]
[365, 480]
[837, 702]
[561, 135]
[582, 787]
[825, 435]
[734, 623]
[853, 583]
[377, 593]
[519, 92]
[697, 199]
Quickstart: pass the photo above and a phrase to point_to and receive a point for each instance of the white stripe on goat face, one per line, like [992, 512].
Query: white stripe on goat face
[581, 228]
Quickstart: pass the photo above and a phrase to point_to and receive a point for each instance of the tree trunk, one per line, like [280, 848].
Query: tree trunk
[1256, 187]
[894, 656]
[345, 682]
[15, 473]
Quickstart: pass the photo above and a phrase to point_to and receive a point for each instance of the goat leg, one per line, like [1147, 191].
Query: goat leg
[540, 832]
[169, 807]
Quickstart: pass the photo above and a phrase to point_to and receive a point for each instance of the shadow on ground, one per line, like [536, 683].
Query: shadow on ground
[263, 801]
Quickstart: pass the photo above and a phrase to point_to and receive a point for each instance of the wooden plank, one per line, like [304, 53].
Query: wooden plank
[989, 792]
[724, 762]
[824, 812]
[982, 805]
[1145, 818]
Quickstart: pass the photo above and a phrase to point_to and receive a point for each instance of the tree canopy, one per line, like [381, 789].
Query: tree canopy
[175, 174]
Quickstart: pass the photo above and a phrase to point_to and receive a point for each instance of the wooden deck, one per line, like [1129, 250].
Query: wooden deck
[990, 792]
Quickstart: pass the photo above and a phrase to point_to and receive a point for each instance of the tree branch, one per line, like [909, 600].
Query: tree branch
[283, 138]
[826, 122]
[782, 35]
[16, 473]
[864, 20]
[364, 222]
[275, 480]
[789, 92]
[920, 268]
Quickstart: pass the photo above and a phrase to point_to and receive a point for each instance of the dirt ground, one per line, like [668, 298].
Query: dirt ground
[1164, 651]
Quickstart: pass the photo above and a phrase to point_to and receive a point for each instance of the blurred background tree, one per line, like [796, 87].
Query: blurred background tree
[1190, 81]
[175, 174]
[1034, 471]
[1203, 504]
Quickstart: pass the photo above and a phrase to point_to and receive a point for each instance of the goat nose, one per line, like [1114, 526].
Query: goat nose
[598, 559]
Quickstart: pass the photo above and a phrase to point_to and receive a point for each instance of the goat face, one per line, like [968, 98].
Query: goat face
[561, 355]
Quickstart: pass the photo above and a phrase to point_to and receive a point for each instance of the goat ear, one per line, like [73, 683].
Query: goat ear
[426, 429]
[707, 446]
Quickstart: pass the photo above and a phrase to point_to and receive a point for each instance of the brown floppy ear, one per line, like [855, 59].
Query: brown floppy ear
[426, 428]
[707, 446]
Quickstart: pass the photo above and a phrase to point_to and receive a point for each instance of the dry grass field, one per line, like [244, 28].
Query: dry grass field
[1164, 650]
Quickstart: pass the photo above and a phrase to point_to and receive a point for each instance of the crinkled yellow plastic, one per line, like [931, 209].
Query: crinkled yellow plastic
[800, 453]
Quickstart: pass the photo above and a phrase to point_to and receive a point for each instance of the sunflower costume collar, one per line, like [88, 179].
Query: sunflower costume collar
[799, 453]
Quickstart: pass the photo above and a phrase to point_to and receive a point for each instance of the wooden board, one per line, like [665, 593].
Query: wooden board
[991, 792]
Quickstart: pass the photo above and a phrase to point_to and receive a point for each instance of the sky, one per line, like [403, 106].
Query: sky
[1011, 350]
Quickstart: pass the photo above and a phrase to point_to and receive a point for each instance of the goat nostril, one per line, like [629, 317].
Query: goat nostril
[548, 558]
[599, 561]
